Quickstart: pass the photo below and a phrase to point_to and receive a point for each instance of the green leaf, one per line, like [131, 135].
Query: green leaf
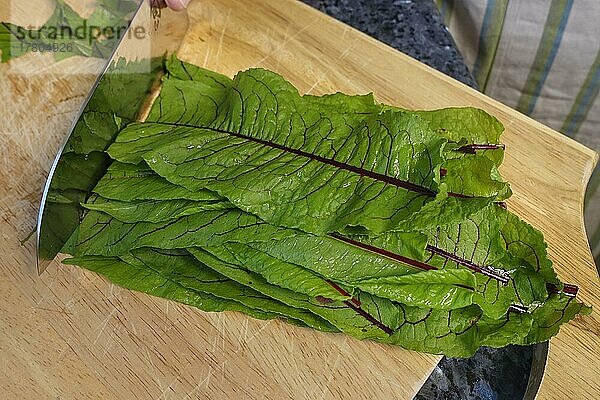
[125, 86]
[79, 171]
[314, 258]
[64, 213]
[179, 266]
[93, 132]
[142, 279]
[464, 124]
[445, 289]
[152, 210]
[479, 240]
[277, 272]
[476, 176]
[557, 310]
[337, 313]
[456, 333]
[277, 154]
[100, 234]
[127, 182]
[525, 245]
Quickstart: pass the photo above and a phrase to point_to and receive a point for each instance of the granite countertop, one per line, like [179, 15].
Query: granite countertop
[416, 28]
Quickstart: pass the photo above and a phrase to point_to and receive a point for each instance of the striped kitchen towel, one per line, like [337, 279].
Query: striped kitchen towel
[541, 57]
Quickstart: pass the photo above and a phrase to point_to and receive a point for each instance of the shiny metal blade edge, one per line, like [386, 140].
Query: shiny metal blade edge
[132, 46]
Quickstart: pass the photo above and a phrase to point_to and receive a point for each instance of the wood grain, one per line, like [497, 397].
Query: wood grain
[70, 334]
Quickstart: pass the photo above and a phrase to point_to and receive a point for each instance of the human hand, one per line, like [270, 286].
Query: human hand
[176, 5]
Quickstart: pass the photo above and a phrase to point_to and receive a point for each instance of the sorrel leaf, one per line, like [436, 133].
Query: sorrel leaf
[180, 266]
[128, 182]
[153, 210]
[142, 279]
[319, 156]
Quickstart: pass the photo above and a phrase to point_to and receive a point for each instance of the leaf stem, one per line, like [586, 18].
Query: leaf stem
[354, 304]
[383, 252]
[494, 273]
[342, 291]
[370, 318]
[472, 148]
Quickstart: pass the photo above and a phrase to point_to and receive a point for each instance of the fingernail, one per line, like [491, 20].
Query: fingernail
[177, 5]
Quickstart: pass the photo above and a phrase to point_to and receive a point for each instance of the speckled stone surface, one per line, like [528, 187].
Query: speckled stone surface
[415, 27]
[492, 374]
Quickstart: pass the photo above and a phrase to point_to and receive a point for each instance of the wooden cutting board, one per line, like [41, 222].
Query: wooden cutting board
[71, 334]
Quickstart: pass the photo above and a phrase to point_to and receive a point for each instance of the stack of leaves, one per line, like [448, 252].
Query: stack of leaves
[331, 212]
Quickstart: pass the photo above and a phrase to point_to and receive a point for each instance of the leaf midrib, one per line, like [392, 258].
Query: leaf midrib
[337, 164]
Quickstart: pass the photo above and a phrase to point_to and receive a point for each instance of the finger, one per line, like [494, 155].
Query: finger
[177, 5]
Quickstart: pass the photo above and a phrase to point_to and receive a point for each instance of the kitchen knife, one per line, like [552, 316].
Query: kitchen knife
[127, 79]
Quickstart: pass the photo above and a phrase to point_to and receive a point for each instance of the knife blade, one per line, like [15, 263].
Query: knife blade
[116, 98]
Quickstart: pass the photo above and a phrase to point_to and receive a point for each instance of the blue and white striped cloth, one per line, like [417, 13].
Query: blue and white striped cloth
[541, 57]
